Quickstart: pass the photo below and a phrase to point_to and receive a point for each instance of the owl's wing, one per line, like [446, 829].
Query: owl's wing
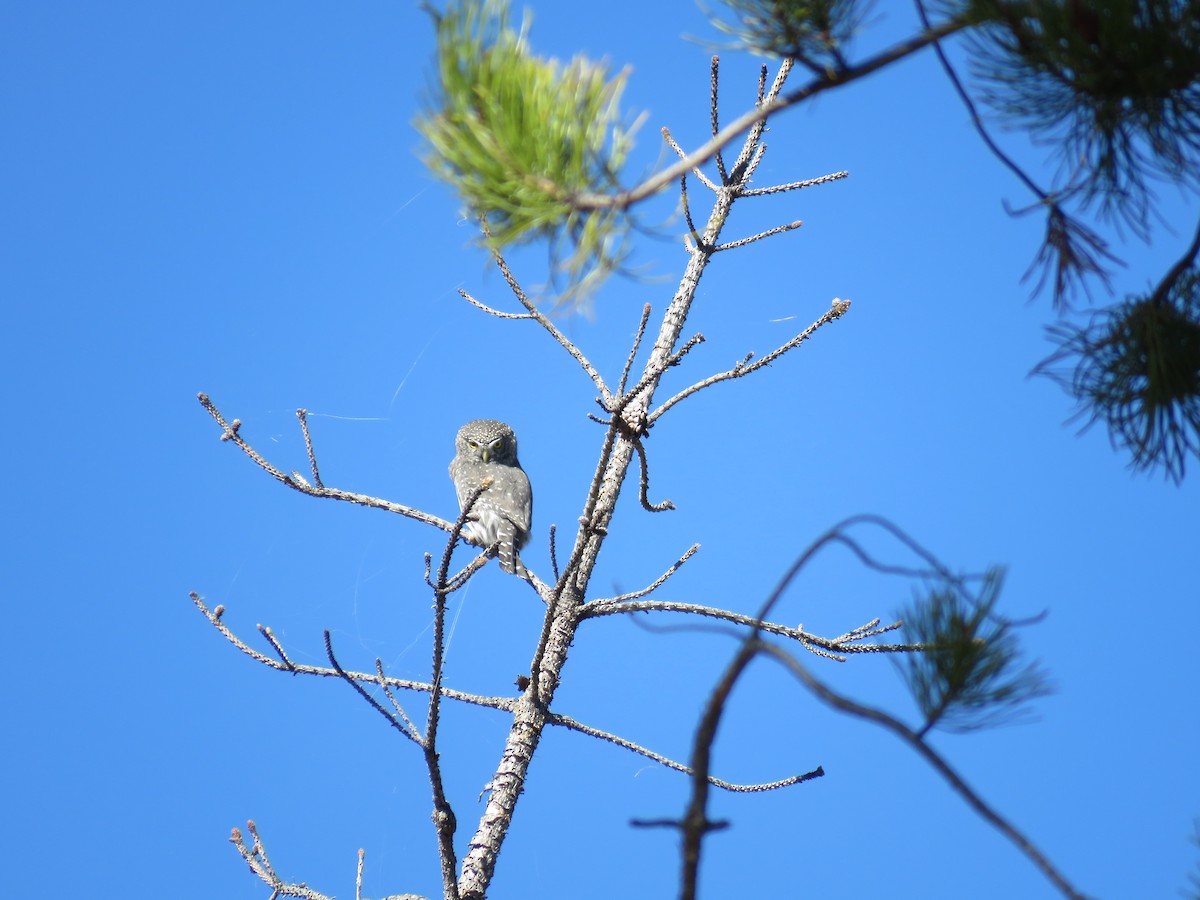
[521, 506]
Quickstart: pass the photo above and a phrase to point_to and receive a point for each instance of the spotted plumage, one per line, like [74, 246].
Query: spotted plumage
[501, 517]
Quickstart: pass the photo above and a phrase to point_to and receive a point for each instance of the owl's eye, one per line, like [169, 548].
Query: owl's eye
[499, 444]
[473, 445]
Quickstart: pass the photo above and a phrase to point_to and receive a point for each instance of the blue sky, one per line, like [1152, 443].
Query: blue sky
[229, 198]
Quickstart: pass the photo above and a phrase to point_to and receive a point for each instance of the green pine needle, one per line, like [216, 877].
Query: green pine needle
[969, 676]
[527, 140]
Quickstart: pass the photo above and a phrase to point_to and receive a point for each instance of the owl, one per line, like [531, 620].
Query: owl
[503, 513]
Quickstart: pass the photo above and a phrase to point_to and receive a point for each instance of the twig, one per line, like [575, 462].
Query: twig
[378, 707]
[492, 312]
[387, 692]
[256, 858]
[538, 316]
[704, 179]
[743, 174]
[653, 374]
[302, 415]
[779, 229]
[637, 343]
[842, 644]
[573, 725]
[644, 483]
[691, 240]
[714, 69]
[659, 582]
[444, 819]
[554, 551]
[270, 636]
[836, 311]
[460, 578]
[796, 185]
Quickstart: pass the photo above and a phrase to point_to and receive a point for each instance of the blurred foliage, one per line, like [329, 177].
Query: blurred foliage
[814, 32]
[970, 676]
[1194, 877]
[526, 141]
[1136, 367]
[1113, 84]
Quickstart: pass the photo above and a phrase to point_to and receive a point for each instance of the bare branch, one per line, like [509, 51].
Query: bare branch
[302, 415]
[779, 229]
[375, 704]
[714, 69]
[845, 643]
[256, 858]
[682, 155]
[231, 433]
[492, 312]
[270, 636]
[692, 238]
[745, 173]
[652, 376]
[387, 692]
[637, 343]
[554, 551]
[538, 316]
[644, 483]
[444, 819]
[501, 703]
[796, 185]
[836, 311]
[586, 609]
[568, 722]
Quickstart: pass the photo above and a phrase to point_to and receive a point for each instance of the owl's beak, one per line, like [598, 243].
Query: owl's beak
[486, 453]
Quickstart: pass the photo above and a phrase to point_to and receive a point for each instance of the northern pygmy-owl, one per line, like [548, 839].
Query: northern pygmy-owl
[503, 513]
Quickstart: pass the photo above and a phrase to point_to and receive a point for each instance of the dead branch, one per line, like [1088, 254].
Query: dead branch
[492, 312]
[744, 367]
[770, 232]
[256, 858]
[795, 185]
[538, 316]
[392, 719]
[657, 583]
[230, 432]
[444, 819]
[714, 116]
[302, 415]
[387, 692]
[637, 343]
[644, 483]
[845, 643]
[690, 240]
[666, 133]
[573, 725]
